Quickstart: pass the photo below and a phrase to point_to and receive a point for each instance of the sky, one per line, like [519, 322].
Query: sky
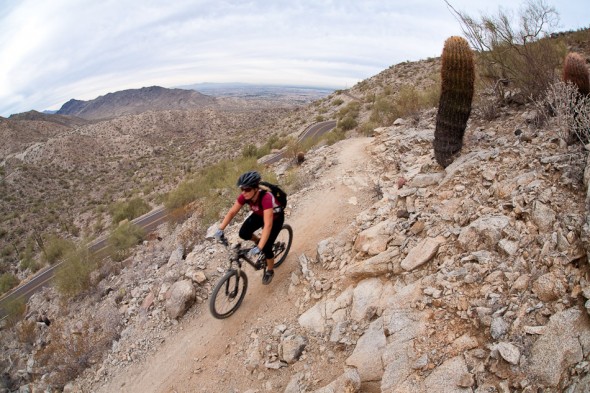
[54, 50]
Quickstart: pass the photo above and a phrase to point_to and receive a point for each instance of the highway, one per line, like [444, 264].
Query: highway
[147, 222]
[313, 131]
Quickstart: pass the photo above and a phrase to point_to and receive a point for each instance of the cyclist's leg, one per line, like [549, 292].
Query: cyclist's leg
[277, 225]
[251, 225]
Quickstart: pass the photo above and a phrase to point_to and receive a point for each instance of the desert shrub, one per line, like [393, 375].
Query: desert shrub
[347, 123]
[7, 282]
[68, 354]
[407, 101]
[214, 187]
[337, 134]
[382, 112]
[123, 238]
[274, 142]
[338, 102]
[28, 260]
[15, 309]
[319, 118]
[296, 146]
[55, 248]
[26, 332]
[351, 110]
[568, 110]
[7, 251]
[128, 210]
[294, 181]
[367, 128]
[516, 57]
[73, 275]
[250, 150]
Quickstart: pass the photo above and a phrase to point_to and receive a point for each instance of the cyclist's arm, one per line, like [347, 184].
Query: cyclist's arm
[230, 215]
[268, 216]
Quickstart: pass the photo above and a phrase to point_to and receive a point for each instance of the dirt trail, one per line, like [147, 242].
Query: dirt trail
[204, 356]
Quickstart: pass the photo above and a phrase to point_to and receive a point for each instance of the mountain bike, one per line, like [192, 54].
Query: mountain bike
[230, 290]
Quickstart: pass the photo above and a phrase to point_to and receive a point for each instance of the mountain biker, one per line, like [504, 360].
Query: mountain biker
[267, 214]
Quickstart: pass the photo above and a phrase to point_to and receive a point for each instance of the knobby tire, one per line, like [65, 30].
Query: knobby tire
[230, 289]
[285, 236]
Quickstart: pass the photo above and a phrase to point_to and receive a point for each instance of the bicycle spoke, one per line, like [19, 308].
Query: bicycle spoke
[228, 294]
[223, 304]
[282, 244]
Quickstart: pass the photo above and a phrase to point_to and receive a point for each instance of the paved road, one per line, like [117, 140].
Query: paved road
[42, 279]
[148, 222]
[313, 131]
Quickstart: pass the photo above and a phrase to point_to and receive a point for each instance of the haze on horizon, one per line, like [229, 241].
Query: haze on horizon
[55, 51]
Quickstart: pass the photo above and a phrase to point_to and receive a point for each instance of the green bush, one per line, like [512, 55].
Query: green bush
[348, 123]
[7, 282]
[351, 110]
[407, 101]
[15, 310]
[250, 150]
[73, 275]
[337, 134]
[368, 128]
[128, 210]
[338, 102]
[55, 248]
[28, 260]
[123, 238]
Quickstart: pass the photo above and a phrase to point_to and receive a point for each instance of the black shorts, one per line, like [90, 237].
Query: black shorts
[255, 222]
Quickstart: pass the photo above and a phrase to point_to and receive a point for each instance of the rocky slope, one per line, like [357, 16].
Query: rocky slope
[56, 175]
[468, 279]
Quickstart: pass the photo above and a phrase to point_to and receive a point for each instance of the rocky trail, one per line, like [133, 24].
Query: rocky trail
[207, 355]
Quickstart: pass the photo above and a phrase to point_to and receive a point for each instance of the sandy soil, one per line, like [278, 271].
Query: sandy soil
[207, 355]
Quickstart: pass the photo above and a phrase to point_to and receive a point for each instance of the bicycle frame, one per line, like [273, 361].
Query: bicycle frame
[237, 254]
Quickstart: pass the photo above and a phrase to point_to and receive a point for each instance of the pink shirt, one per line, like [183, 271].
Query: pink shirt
[267, 202]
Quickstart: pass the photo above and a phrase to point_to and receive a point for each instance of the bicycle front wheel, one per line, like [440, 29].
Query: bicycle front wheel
[282, 244]
[228, 294]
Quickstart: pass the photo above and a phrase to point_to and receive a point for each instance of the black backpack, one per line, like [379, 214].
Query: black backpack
[277, 192]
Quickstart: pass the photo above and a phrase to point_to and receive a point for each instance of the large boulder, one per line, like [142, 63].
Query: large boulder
[367, 355]
[179, 298]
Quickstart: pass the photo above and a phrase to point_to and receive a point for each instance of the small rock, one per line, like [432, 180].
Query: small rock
[466, 380]
[509, 352]
[498, 328]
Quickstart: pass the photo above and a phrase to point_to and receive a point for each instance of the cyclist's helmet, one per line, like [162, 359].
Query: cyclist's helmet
[249, 179]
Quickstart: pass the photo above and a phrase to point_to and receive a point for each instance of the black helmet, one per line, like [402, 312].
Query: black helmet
[249, 179]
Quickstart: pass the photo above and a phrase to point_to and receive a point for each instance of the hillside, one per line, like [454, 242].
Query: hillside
[403, 276]
[460, 279]
[135, 101]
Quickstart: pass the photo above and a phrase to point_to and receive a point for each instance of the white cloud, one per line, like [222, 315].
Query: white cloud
[54, 51]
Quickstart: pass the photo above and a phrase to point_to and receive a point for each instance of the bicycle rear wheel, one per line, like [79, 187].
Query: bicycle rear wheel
[228, 294]
[282, 244]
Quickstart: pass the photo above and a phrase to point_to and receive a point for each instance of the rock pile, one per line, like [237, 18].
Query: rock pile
[469, 279]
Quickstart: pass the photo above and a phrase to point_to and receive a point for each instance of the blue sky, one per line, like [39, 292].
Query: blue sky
[55, 50]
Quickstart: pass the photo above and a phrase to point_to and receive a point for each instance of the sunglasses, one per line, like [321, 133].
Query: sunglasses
[246, 189]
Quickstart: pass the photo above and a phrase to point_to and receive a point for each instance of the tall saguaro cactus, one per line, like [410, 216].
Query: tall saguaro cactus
[576, 72]
[454, 108]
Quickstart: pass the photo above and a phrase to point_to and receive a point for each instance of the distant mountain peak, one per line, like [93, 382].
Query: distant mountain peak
[135, 101]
